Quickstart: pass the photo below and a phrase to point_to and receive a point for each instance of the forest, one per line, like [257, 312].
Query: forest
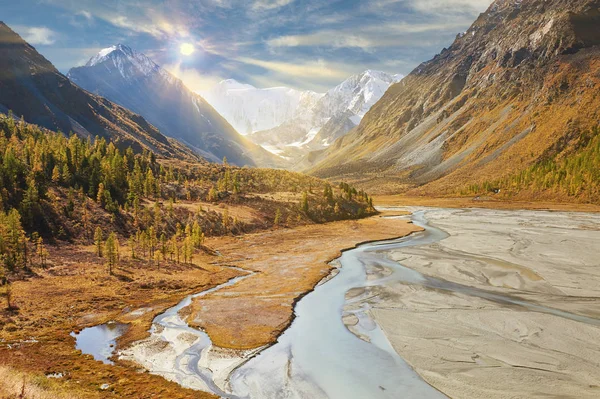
[57, 189]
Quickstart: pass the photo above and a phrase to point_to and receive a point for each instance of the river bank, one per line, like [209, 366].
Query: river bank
[486, 202]
[237, 321]
[469, 346]
[75, 292]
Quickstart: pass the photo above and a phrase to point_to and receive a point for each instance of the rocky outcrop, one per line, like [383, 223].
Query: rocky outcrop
[523, 77]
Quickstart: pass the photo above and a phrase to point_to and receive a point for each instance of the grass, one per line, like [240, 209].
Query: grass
[16, 384]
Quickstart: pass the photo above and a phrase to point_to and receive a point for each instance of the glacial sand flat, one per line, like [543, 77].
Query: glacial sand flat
[469, 346]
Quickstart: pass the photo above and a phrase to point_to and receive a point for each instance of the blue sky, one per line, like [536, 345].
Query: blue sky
[306, 44]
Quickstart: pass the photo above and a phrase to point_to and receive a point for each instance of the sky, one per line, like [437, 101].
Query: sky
[304, 44]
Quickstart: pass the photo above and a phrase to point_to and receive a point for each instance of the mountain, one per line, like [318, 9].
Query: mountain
[514, 97]
[31, 87]
[134, 81]
[249, 109]
[332, 116]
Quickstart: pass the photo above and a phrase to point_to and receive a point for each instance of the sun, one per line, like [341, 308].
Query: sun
[186, 48]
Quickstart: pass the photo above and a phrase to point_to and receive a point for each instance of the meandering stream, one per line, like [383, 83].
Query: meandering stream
[317, 356]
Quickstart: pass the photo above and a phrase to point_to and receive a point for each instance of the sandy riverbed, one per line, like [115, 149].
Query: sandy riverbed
[243, 318]
[469, 347]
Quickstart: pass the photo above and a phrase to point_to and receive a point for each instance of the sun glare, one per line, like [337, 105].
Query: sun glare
[186, 48]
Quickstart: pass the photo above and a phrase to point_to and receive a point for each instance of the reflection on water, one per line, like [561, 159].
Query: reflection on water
[99, 341]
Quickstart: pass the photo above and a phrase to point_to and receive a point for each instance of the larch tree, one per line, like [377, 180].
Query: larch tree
[304, 202]
[112, 252]
[277, 219]
[98, 240]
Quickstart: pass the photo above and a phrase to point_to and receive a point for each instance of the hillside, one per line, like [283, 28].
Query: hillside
[510, 108]
[31, 87]
[134, 81]
[63, 188]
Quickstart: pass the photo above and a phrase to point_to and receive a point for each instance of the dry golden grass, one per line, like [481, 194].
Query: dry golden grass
[481, 202]
[15, 384]
[75, 292]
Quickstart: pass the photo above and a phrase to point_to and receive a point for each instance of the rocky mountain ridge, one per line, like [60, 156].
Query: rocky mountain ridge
[33, 88]
[134, 81]
[521, 86]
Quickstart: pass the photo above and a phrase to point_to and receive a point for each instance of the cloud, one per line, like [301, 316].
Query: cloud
[37, 35]
[374, 36]
[130, 15]
[307, 44]
[192, 78]
[86, 14]
[270, 4]
[437, 7]
[313, 69]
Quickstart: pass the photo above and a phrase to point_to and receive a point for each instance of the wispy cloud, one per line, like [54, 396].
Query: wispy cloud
[269, 4]
[379, 35]
[86, 14]
[37, 35]
[306, 44]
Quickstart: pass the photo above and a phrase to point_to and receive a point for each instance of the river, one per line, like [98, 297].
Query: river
[317, 356]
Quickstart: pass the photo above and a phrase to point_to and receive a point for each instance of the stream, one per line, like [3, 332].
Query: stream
[317, 356]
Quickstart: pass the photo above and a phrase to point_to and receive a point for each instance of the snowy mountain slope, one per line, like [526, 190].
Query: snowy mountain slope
[332, 116]
[134, 81]
[249, 109]
[33, 88]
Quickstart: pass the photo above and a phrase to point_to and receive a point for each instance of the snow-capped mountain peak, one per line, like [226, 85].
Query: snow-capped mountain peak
[289, 122]
[127, 61]
[134, 81]
[357, 94]
[250, 109]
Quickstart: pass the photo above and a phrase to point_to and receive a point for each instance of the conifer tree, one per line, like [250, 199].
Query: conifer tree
[112, 252]
[189, 249]
[56, 176]
[163, 246]
[225, 219]
[212, 194]
[197, 235]
[100, 195]
[40, 250]
[304, 202]
[277, 219]
[132, 246]
[98, 240]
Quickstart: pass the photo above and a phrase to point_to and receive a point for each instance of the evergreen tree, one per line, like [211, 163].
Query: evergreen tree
[56, 175]
[98, 240]
[304, 202]
[112, 252]
[277, 217]
[132, 246]
[163, 246]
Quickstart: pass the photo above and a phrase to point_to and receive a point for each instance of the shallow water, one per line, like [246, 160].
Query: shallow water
[99, 341]
[318, 356]
[169, 326]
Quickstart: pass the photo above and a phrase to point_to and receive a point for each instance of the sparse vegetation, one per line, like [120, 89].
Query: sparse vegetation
[574, 174]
